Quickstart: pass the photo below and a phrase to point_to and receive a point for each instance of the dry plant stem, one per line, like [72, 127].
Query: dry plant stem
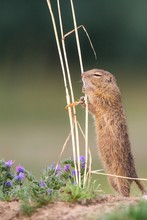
[65, 81]
[71, 91]
[90, 165]
[77, 36]
[86, 143]
[81, 65]
[63, 148]
[86, 114]
[76, 103]
[90, 156]
[123, 177]
[82, 26]
[88, 174]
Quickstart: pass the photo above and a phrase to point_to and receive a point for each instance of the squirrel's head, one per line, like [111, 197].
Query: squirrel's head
[99, 82]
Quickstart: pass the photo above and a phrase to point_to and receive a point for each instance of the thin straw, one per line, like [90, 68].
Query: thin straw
[113, 175]
[86, 112]
[88, 174]
[65, 83]
[77, 36]
[63, 148]
[82, 26]
[71, 90]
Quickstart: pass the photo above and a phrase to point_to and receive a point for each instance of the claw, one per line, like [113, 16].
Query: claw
[82, 100]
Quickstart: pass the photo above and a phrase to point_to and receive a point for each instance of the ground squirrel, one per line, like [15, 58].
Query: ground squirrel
[104, 103]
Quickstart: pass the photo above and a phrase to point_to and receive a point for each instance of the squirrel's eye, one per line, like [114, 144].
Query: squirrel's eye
[97, 74]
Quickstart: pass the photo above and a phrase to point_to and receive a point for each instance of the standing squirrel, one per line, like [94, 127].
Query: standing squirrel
[104, 103]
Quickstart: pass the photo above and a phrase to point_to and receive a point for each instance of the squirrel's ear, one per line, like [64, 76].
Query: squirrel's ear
[109, 79]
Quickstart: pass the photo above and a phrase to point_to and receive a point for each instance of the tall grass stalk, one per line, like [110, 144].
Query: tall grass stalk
[88, 174]
[86, 112]
[118, 176]
[65, 84]
[72, 94]
[68, 83]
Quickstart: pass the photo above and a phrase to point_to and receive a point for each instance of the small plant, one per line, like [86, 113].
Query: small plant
[74, 193]
[11, 182]
[56, 183]
[69, 172]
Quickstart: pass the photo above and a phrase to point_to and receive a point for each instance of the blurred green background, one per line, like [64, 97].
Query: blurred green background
[33, 122]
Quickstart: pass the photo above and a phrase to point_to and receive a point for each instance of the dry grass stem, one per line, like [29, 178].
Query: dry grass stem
[113, 175]
[82, 70]
[81, 66]
[77, 36]
[86, 143]
[76, 138]
[82, 26]
[87, 174]
[63, 148]
[65, 83]
[69, 93]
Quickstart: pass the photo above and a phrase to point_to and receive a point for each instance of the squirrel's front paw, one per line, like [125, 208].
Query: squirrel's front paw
[82, 101]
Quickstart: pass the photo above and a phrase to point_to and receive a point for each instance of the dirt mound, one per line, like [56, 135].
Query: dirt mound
[66, 211]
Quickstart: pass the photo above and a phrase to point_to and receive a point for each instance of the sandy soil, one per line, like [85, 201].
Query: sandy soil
[66, 211]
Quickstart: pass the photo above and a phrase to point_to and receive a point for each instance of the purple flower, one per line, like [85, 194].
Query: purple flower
[58, 168]
[9, 163]
[73, 172]
[82, 159]
[8, 184]
[51, 168]
[42, 184]
[67, 167]
[20, 169]
[20, 176]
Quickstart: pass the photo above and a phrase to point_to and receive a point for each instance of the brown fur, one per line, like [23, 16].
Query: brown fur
[104, 102]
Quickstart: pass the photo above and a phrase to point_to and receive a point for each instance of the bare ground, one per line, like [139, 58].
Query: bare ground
[66, 211]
